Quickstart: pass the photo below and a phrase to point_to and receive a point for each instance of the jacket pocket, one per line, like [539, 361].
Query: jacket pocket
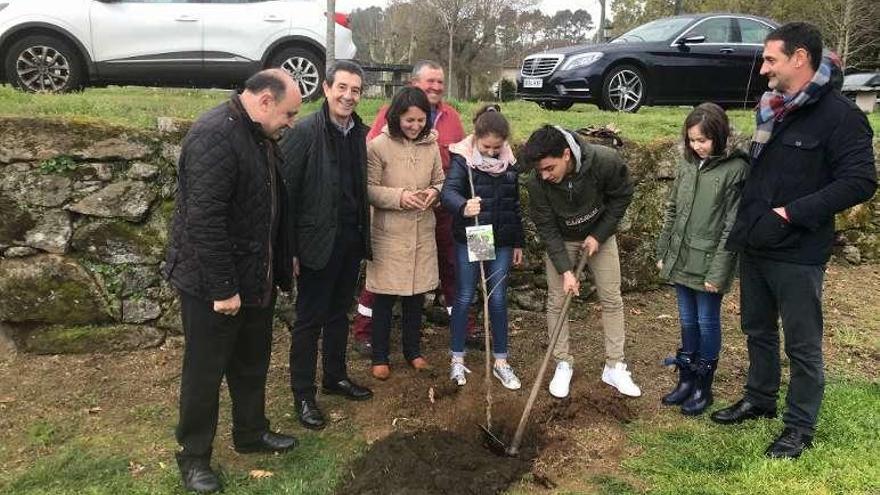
[700, 253]
[771, 231]
[801, 167]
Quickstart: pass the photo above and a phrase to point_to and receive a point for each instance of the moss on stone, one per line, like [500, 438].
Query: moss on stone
[49, 289]
[120, 242]
[90, 338]
[15, 222]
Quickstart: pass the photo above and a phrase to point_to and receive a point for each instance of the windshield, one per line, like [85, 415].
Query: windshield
[654, 31]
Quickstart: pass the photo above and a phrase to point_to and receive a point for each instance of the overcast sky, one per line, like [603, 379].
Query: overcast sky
[547, 6]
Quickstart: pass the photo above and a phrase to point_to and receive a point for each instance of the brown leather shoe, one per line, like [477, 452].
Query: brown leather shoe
[420, 363]
[381, 371]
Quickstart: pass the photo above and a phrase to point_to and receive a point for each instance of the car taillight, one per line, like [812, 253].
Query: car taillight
[341, 19]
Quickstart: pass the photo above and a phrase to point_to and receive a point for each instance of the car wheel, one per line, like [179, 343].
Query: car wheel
[306, 67]
[556, 105]
[44, 64]
[624, 89]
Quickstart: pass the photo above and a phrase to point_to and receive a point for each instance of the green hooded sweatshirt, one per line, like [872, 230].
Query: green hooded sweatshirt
[590, 200]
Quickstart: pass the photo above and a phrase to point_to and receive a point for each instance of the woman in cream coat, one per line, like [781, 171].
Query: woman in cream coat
[404, 177]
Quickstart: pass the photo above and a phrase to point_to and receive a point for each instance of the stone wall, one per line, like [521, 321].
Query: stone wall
[84, 213]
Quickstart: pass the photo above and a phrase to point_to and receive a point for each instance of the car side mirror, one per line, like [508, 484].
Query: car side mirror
[692, 40]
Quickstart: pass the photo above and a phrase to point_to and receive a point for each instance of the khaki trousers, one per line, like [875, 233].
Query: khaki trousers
[605, 266]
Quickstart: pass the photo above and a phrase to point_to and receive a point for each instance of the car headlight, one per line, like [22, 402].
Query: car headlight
[581, 60]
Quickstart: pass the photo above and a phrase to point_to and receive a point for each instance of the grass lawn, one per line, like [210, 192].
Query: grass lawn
[139, 107]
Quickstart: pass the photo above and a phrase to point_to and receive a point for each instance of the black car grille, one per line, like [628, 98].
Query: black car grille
[539, 66]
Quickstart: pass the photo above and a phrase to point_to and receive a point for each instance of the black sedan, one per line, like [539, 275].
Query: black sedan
[678, 60]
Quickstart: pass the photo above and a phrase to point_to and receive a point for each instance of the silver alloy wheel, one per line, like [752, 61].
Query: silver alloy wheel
[625, 90]
[305, 72]
[42, 68]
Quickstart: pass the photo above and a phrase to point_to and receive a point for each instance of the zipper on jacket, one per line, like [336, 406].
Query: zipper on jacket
[274, 199]
[570, 191]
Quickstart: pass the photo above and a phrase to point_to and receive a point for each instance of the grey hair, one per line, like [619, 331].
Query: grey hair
[349, 66]
[421, 64]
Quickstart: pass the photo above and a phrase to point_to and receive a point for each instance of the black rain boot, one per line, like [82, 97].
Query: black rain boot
[701, 397]
[684, 361]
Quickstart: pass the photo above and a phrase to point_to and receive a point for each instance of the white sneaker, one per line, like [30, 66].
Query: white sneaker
[561, 380]
[457, 373]
[507, 376]
[621, 379]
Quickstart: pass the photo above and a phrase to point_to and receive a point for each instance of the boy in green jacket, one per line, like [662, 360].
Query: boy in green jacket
[578, 195]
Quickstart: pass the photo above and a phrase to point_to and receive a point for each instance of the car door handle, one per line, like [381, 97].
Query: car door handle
[726, 49]
[186, 18]
[273, 18]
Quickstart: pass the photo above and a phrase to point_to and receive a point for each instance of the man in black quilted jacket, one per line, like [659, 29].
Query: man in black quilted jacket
[226, 257]
[325, 170]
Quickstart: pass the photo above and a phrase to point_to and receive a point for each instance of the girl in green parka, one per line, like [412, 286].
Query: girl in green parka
[699, 214]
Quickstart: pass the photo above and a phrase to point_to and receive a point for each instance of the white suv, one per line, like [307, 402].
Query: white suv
[61, 45]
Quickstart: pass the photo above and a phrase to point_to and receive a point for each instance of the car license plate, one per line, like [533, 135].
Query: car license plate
[533, 82]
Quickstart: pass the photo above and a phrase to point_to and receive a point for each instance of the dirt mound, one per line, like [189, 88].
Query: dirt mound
[596, 403]
[432, 461]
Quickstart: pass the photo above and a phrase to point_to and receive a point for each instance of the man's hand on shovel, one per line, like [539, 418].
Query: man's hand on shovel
[591, 245]
[570, 284]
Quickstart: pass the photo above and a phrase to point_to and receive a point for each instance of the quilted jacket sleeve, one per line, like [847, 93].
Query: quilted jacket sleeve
[296, 149]
[210, 174]
[456, 190]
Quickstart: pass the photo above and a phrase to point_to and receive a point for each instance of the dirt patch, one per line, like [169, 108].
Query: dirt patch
[127, 402]
[445, 463]
[599, 403]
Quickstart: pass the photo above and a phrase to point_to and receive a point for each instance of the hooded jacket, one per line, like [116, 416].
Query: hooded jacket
[590, 200]
[499, 195]
[699, 214]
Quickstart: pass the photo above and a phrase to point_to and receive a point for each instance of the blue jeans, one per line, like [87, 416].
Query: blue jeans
[466, 279]
[700, 315]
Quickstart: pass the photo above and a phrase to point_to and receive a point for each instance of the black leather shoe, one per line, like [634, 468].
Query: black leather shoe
[200, 478]
[348, 389]
[741, 411]
[309, 415]
[790, 444]
[268, 442]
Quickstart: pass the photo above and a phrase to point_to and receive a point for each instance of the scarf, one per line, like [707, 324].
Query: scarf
[475, 160]
[774, 105]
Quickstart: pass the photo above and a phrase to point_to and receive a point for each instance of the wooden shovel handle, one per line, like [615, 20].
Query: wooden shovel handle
[557, 329]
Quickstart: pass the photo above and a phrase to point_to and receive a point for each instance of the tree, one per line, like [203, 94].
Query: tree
[452, 13]
[331, 31]
[600, 33]
[852, 28]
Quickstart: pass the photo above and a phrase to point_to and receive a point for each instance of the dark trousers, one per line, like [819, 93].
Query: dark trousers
[410, 326]
[323, 298]
[770, 290]
[237, 347]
